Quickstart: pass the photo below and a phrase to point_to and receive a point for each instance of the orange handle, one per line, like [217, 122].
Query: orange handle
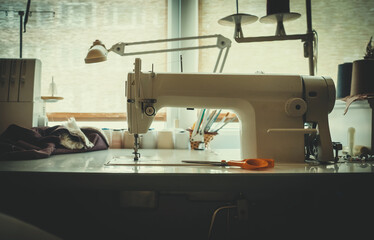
[252, 163]
[270, 162]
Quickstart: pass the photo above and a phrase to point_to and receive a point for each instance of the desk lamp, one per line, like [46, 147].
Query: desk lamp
[98, 52]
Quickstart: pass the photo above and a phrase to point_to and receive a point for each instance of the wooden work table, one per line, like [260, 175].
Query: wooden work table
[78, 196]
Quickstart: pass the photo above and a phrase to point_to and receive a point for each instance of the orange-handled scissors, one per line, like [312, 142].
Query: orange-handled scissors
[250, 163]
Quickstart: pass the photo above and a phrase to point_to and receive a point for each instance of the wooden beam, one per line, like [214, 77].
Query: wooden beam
[108, 117]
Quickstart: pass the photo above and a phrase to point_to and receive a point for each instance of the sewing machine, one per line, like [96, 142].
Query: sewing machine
[272, 109]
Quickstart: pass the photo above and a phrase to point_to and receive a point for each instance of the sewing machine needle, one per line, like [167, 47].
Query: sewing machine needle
[136, 147]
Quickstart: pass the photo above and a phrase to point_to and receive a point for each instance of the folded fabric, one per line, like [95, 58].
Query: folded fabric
[18, 143]
[74, 130]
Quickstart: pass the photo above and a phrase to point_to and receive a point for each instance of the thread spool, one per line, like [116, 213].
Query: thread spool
[182, 140]
[277, 6]
[351, 140]
[149, 140]
[344, 80]
[362, 77]
[128, 140]
[117, 138]
[278, 11]
[108, 133]
[42, 121]
[165, 139]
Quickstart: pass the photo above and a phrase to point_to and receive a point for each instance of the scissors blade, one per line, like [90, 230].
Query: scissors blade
[205, 162]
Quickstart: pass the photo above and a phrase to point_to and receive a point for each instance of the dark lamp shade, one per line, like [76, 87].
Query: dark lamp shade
[362, 77]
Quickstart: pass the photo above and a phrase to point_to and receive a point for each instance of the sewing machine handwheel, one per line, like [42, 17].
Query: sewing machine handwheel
[150, 111]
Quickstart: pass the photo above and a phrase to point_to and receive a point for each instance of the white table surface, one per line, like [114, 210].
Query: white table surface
[154, 173]
[165, 161]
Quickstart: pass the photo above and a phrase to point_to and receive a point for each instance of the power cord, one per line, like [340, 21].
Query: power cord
[214, 217]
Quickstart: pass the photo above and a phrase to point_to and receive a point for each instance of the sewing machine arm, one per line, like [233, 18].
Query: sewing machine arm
[272, 109]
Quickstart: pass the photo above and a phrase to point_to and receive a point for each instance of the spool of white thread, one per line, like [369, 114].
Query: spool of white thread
[182, 140]
[351, 140]
[165, 139]
[42, 121]
[108, 133]
[128, 140]
[149, 140]
[117, 138]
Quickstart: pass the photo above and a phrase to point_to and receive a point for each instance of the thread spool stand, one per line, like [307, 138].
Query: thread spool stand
[23, 22]
[308, 38]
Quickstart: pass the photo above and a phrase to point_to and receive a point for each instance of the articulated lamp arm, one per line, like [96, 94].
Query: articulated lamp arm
[98, 52]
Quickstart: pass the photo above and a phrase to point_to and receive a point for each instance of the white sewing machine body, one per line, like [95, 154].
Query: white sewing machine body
[272, 109]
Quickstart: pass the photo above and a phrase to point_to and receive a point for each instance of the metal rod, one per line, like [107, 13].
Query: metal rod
[224, 59]
[302, 37]
[159, 164]
[27, 14]
[170, 40]
[168, 50]
[217, 62]
[20, 13]
[310, 39]
[181, 58]
[309, 16]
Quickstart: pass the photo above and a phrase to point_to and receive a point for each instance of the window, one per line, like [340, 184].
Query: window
[61, 41]
[96, 91]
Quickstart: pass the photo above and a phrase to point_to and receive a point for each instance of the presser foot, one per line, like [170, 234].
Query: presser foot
[136, 156]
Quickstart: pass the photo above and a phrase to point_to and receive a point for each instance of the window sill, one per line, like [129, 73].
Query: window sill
[95, 117]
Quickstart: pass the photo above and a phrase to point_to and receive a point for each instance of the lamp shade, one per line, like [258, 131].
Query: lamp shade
[97, 53]
[362, 77]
